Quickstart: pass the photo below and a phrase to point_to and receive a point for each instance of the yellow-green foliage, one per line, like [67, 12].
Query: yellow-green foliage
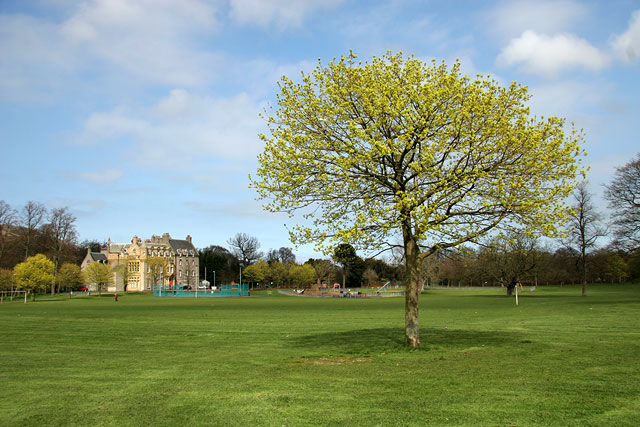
[302, 275]
[395, 146]
[6, 279]
[98, 273]
[35, 273]
[70, 276]
[257, 272]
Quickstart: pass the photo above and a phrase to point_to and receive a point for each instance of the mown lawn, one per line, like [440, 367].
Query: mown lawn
[556, 359]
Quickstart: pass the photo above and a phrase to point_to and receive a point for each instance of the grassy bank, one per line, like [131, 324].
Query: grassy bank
[556, 359]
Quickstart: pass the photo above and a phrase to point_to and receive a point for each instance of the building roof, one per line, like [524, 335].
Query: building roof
[176, 246]
[181, 244]
[97, 256]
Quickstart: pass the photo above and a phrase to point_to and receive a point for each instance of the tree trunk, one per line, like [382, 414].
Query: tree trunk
[510, 287]
[412, 292]
[55, 277]
[584, 274]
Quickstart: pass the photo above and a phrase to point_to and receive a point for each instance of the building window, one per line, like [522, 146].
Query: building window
[134, 267]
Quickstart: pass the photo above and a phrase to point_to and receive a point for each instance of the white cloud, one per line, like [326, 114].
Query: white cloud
[182, 130]
[511, 18]
[111, 42]
[572, 98]
[549, 55]
[34, 56]
[102, 126]
[627, 44]
[105, 177]
[281, 13]
[149, 38]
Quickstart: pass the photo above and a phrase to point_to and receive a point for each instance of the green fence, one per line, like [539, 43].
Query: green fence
[234, 290]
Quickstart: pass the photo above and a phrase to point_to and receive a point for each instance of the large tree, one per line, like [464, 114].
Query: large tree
[69, 276]
[399, 150]
[509, 258]
[6, 279]
[7, 220]
[624, 199]
[584, 228]
[34, 274]
[325, 270]
[218, 265]
[257, 272]
[345, 255]
[100, 274]
[31, 218]
[246, 248]
[284, 255]
[61, 232]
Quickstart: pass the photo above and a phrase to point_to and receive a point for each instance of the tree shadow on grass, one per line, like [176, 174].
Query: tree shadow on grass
[366, 341]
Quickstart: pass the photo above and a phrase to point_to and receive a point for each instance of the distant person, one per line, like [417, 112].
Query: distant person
[116, 297]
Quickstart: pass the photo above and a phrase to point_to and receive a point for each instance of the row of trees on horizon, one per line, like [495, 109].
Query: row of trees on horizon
[578, 257]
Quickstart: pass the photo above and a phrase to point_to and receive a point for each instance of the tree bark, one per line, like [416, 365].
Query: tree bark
[412, 292]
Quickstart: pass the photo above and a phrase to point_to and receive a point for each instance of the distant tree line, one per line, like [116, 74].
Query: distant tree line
[34, 229]
[279, 267]
[505, 259]
[33, 236]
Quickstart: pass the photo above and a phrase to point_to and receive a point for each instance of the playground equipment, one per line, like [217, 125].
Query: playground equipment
[270, 291]
[383, 286]
[382, 293]
[233, 290]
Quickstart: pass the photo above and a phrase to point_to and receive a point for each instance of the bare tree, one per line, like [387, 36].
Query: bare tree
[61, 231]
[7, 219]
[157, 266]
[284, 255]
[510, 258]
[624, 198]
[584, 229]
[245, 248]
[31, 218]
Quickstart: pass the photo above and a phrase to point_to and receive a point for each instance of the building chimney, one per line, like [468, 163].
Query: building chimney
[189, 238]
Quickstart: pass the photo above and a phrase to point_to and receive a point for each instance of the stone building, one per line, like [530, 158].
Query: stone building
[139, 265]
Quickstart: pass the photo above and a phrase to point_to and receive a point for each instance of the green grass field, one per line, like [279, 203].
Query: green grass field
[556, 359]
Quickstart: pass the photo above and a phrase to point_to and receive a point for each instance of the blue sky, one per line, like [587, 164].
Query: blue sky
[141, 116]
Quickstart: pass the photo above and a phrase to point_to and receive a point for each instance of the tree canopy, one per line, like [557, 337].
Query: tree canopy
[397, 150]
[624, 198]
[34, 274]
[70, 276]
[245, 248]
[100, 274]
